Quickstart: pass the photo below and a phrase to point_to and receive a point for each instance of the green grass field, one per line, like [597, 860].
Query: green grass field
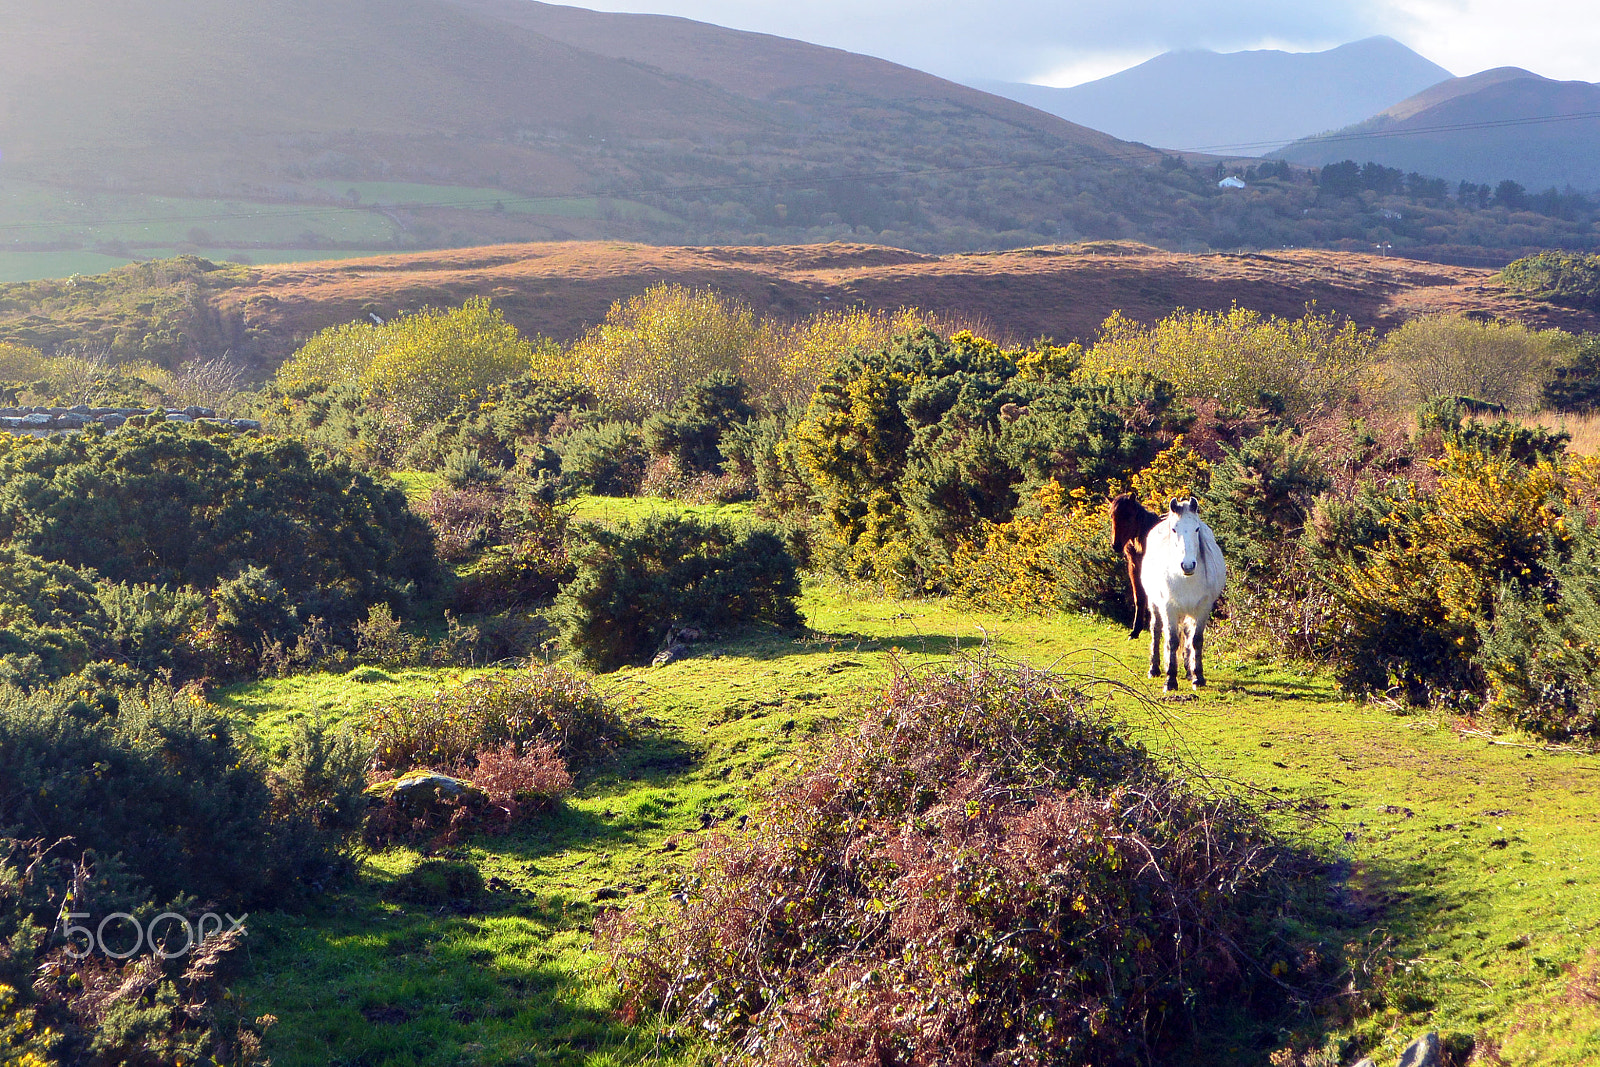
[1480, 850]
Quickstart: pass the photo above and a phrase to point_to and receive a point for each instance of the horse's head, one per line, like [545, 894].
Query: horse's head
[1186, 525]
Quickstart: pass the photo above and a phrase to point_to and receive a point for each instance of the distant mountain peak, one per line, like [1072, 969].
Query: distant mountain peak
[1253, 101]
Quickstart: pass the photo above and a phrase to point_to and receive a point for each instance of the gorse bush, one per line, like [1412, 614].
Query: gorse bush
[172, 506]
[635, 581]
[608, 459]
[160, 779]
[1056, 557]
[691, 431]
[1575, 385]
[1261, 495]
[1242, 357]
[552, 705]
[909, 449]
[981, 870]
[1411, 606]
[1570, 278]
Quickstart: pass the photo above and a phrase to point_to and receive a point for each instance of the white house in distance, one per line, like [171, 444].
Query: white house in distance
[1231, 182]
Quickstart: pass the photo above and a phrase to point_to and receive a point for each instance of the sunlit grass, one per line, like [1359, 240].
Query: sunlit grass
[1476, 855]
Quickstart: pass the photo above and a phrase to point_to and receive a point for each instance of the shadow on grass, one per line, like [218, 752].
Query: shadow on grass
[365, 984]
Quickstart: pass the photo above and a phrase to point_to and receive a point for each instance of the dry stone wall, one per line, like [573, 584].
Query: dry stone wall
[56, 420]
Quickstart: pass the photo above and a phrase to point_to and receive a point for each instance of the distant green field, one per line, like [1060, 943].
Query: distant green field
[32, 266]
[411, 194]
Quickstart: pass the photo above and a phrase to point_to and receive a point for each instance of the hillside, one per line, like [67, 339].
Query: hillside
[289, 125]
[1505, 123]
[560, 289]
[1238, 102]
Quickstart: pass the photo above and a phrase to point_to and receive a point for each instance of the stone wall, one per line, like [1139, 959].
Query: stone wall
[56, 420]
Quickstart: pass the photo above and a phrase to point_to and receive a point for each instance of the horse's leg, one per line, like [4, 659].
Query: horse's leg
[1140, 609]
[1196, 654]
[1155, 643]
[1174, 639]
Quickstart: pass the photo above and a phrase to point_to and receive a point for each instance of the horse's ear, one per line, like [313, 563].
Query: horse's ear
[1193, 503]
[1175, 505]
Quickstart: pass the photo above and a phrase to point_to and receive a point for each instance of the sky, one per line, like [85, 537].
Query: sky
[1065, 42]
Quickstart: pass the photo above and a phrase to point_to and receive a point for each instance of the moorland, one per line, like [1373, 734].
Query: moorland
[725, 679]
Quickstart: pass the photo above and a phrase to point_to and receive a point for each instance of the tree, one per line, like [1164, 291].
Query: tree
[1509, 194]
[423, 364]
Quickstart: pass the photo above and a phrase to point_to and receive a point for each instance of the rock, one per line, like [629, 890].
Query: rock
[72, 420]
[79, 409]
[112, 421]
[689, 633]
[420, 794]
[37, 418]
[667, 655]
[245, 424]
[1365, 1061]
[178, 416]
[1425, 1051]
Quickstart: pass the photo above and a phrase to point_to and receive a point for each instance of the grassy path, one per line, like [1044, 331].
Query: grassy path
[1476, 858]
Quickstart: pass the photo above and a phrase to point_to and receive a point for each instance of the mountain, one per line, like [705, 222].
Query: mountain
[394, 111]
[1505, 123]
[1238, 103]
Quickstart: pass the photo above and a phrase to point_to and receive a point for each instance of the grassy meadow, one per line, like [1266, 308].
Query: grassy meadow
[1463, 860]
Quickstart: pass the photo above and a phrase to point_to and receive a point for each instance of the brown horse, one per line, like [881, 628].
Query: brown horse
[1131, 523]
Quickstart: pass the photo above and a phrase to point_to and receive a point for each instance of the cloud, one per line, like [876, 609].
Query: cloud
[1555, 38]
[1065, 41]
[1027, 39]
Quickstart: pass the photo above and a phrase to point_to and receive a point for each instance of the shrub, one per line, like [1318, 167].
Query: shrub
[48, 614]
[1570, 278]
[146, 625]
[908, 450]
[654, 346]
[981, 870]
[637, 580]
[608, 459]
[1057, 559]
[551, 706]
[464, 520]
[1410, 608]
[530, 570]
[506, 420]
[691, 431]
[1242, 357]
[421, 363]
[1575, 385]
[1261, 495]
[172, 506]
[1451, 355]
[174, 792]
[381, 639]
[1538, 650]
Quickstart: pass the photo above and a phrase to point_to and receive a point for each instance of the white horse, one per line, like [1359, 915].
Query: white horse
[1182, 576]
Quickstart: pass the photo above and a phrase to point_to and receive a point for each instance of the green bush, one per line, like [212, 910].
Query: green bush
[506, 421]
[159, 778]
[1455, 419]
[1539, 649]
[1575, 385]
[608, 459]
[691, 431]
[551, 705]
[1570, 278]
[1261, 495]
[174, 506]
[637, 580]
[910, 449]
[49, 613]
